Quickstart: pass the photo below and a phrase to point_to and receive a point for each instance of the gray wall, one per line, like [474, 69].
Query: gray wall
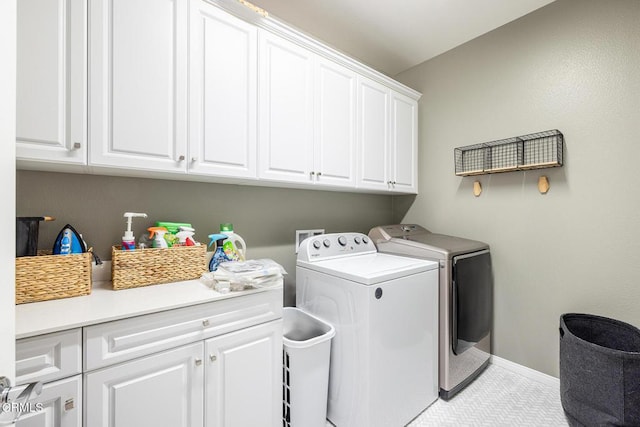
[265, 217]
[572, 65]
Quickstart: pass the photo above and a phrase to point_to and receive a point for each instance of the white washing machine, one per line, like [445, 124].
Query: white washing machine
[384, 357]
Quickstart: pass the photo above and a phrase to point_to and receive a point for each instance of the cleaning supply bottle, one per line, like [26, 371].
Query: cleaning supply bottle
[157, 234]
[218, 256]
[128, 241]
[185, 237]
[234, 245]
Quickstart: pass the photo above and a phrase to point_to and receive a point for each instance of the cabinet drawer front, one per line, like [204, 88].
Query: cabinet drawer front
[48, 357]
[59, 404]
[114, 342]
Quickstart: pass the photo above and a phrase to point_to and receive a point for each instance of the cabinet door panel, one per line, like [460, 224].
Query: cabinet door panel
[138, 83]
[373, 135]
[404, 143]
[61, 405]
[51, 81]
[223, 93]
[335, 127]
[243, 377]
[286, 110]
[165, 389]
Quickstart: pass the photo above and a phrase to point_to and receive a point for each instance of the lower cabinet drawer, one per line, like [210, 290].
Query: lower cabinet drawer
[59, 404]
[49, 357]
[114, 342]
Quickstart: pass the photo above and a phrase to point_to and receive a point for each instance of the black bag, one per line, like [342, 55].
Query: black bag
[599, 371]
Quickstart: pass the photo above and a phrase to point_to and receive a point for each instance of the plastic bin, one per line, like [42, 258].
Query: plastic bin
[599, 371]
[305, 368]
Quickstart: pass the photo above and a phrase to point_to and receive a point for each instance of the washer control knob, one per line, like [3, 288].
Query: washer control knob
[342, 241]
[326, 243]
[365, 240]
[316, 244]
[357, 239]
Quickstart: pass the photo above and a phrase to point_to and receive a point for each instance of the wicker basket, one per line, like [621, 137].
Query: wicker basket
[46, 277]
[152, 266]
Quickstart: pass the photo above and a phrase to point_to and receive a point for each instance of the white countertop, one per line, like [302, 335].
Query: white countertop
[104, 305]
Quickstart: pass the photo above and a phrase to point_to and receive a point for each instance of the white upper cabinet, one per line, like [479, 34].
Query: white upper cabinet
[51, 91]
[404, 144]
[285, 110]
[222, 93]
[335, 125]
[204, 90]
[138, 84]
[373, 135]
[388, 139]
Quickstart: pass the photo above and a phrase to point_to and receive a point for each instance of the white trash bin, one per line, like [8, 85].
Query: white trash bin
[305, 368]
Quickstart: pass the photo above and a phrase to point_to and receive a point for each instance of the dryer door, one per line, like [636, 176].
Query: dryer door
[472, 299]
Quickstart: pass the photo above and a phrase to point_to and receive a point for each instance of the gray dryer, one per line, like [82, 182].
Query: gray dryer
[466, 297]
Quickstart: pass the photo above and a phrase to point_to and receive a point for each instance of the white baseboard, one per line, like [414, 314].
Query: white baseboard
[525, 372]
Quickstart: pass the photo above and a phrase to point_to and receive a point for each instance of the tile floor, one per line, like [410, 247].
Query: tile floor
[498, 397]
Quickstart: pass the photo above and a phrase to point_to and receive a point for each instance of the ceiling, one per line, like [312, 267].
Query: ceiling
[394, 36]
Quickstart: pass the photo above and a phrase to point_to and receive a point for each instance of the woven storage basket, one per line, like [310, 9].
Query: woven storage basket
[153, 266]
[46, 277]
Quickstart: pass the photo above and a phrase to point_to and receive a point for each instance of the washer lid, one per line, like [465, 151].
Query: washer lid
[370, 269]
[420, 242]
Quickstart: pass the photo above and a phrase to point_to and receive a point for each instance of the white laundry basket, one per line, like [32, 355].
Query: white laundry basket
[305, 374]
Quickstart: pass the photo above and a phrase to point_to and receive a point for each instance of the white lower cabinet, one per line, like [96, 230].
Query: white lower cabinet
[164, 389]
[242, 386]
[214, 364]
[55, 359]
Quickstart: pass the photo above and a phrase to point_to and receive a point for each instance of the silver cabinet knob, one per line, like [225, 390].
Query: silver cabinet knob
[205, 323]
[194, 159]
[76, 145]
[198, 362]
[181, 158]
[213, 357]
[318, 173]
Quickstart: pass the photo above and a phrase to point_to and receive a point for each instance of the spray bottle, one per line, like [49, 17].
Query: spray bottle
[128, 241]
[185, 236]
[157, 234]
[218, 256]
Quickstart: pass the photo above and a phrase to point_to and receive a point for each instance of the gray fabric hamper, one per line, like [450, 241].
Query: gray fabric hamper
[599, 371]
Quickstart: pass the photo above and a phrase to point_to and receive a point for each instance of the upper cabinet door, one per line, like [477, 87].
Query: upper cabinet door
[222, 93]
[335, 125]
[285, 110]
[138, 84]
[404, 144]
[373, 135]
[51, 81]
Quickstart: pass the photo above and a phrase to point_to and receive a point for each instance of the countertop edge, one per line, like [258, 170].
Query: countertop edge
[105, 305]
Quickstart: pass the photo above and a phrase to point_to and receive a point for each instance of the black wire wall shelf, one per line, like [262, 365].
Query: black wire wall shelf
[534, 151]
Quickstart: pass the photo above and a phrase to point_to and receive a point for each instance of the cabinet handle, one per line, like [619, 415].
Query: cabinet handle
[213, 357]
[393, 183]
[69, 404]
[319, 173]
[205, 323]
[311, 174]
[194, 159]
[181, 158]
[198, 362]
[76, 146]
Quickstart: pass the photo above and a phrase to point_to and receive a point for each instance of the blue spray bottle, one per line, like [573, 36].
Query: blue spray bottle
[219, 255]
